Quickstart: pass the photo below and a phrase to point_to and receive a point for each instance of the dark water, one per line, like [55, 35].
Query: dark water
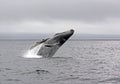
[77, 62]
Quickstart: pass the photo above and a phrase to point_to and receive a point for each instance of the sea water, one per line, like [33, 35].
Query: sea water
[76, 62]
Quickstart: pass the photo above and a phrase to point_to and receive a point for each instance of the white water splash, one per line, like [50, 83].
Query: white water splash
[33, 52]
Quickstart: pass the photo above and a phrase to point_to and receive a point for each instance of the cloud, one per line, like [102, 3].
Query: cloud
[85, 16]
[110, 27]
[82, 10]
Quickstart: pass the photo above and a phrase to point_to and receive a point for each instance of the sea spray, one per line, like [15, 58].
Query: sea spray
[32, 53]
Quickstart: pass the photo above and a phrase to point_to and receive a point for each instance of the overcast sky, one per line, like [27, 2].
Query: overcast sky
[50, 16]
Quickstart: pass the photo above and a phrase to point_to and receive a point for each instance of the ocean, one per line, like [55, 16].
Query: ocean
[76, 62]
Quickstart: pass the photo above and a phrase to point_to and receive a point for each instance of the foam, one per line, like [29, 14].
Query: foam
[32, 53]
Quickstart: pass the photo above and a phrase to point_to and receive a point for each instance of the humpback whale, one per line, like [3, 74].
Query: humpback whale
[48, 47]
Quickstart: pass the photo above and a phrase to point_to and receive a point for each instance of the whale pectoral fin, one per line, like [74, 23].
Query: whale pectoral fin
[34, 46]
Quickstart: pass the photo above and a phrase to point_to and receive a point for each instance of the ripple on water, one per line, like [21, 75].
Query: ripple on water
[13, 80]
[115, 80]
[66, 78]
[37, 72]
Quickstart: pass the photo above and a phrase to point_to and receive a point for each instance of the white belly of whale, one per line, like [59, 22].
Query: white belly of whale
[32, 53]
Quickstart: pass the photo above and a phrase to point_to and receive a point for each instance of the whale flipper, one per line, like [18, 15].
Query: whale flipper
[38, 43]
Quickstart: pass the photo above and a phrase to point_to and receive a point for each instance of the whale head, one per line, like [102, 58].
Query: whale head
[60, 38]
[51, 45]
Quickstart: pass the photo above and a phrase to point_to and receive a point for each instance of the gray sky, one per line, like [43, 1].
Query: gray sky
[50, 16]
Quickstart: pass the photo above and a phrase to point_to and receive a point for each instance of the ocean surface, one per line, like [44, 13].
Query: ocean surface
[76, 62]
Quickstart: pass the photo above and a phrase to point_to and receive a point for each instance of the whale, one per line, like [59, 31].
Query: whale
[48, 47]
